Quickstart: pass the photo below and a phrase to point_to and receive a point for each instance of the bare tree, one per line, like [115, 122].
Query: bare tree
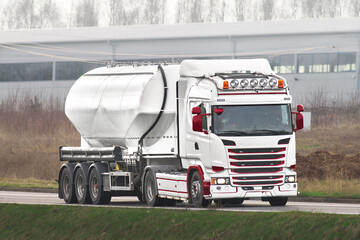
[87, 14]
[154, 12]
[49, 16]
[30, 14]
[123, 12]
[190, 11]
[356, 8]
[240, 10]
[267, 8]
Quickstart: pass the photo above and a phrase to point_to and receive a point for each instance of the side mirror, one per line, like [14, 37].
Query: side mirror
[197, 123]
[299, 121]
[218, 111]
[299, 118]
[196, 110]
[300, 108]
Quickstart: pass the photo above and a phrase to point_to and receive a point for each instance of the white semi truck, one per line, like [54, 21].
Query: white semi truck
[203, 130]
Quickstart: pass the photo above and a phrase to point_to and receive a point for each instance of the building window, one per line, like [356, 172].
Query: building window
[346, 62]
[5, 72]
[326, 62]
[25, 72]
[46, 71]
[304, 63]
[32, 72]
[283, 64]
[71, 70]
[18, 72]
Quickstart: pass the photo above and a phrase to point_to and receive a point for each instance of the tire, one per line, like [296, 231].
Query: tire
[278, 201]
[81, 189]
[150, 192]
[67, 187]
[196, 191]
[97, 194]
[139, 196]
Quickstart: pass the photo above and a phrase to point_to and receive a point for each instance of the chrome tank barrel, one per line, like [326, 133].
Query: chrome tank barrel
[115, 106]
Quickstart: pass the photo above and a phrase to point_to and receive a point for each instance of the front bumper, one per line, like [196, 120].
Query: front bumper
[228, 191]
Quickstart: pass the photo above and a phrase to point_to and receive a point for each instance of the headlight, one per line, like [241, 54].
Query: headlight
[263, 82]
[290, 179]
[234, 83]
[254, 82]
[273, 82]
[244, 83]
[220, 181]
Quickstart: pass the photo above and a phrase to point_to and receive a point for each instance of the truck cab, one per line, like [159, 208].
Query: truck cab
[239, 131]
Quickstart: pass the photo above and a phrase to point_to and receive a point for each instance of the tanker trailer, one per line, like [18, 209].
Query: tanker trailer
[163, 133]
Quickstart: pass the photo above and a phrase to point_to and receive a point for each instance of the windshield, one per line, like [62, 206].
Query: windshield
[253, 120]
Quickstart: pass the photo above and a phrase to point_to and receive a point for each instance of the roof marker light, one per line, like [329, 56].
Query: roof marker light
[281, 83]
[234, 83]
[254, 82]
[273, 82]
[244, 83]
[263, 82]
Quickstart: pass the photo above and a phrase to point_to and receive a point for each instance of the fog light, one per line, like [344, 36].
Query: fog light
[244, 83]
[263, 82]
[234, 83]
[220, 181]
[273, 82]
[290, 179]
[254, 83]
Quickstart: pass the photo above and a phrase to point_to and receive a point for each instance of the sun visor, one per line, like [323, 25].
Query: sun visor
[201, 68]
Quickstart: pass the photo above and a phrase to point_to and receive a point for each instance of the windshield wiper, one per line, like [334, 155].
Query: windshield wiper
[279, 132]
[232, 133]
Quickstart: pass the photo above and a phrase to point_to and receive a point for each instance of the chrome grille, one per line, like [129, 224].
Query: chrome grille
[253, 167]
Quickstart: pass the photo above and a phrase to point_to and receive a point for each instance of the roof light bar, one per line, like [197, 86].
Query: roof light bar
[253, 83]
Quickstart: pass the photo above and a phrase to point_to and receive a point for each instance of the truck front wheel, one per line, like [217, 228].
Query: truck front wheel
[150, 192]
[67, 186]
[196, 191]
[97, 194]
[278, 201]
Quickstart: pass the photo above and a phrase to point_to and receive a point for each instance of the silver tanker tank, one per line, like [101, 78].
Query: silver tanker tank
[116, 105]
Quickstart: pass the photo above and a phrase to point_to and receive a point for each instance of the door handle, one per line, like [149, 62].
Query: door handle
[197, 146]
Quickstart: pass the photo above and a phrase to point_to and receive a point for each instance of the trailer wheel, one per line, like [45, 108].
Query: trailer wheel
[67, 187]
[97, 193]
[150, 192]
[278, 201]
[81, 189]
[196, 191]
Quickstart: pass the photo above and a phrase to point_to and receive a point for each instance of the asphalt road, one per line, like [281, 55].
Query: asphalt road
[247, 206]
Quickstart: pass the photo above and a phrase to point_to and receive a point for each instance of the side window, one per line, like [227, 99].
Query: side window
[204, 118]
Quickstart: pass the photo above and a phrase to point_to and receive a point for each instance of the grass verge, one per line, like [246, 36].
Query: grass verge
[27, 183]
[49, 222]
[330, 187]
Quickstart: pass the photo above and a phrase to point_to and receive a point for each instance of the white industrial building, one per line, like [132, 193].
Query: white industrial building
[315, 55]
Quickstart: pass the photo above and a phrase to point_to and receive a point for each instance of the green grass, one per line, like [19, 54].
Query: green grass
[73, 222]
[27, 183]
[329, 195]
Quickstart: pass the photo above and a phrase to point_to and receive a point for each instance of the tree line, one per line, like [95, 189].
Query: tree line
[28, 14]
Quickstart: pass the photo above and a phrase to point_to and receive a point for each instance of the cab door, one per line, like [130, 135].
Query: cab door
[197, 143]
